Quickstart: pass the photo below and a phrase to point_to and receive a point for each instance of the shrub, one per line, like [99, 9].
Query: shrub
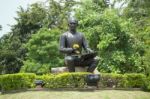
[16, 81]
[146, 85]
[42, 52]
[113, 80]
[64, 80]
[132, 80]
[135, 80]
[72, 80]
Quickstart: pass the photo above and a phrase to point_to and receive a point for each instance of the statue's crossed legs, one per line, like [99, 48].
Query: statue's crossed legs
[73, 61]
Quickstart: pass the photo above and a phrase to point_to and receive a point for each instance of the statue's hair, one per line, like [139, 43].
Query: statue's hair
[72, 20]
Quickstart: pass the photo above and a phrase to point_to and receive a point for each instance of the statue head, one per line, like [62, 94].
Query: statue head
[72, 23]
[73, 20]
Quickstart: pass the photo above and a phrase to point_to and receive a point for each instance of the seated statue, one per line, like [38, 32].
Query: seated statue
[71, 44]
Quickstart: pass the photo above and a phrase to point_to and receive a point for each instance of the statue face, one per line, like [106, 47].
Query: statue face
[72, 25]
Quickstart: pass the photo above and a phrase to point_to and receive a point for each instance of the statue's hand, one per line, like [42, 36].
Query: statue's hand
[76, 48]
[76, 51]
[88, 50]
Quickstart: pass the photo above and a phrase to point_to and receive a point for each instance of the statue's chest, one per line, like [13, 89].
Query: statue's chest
[74, 39]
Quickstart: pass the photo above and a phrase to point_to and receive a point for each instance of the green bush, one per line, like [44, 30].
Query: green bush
[42, 52]
[146, 85]
[0, 83]
[132, 80]
[72, 80]
[64, 80]
[16, 81]
[48, 79]
[113, 80]
[135, 80]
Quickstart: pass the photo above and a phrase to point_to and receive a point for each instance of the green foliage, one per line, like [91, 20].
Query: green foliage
[131, 80]
[135, 80]
[16, 81]
[9, 53]
[139, 12]
[113, 80]
[137, 9]
[113, 37]
[65, 80]
[118, 47]
[5, 57]
[146, 86]
[146, 62]
[72, 80]
[122, 41]
[58, 13]
[43, 52]
[28, 22]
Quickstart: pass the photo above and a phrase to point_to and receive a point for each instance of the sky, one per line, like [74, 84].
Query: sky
[8, 10]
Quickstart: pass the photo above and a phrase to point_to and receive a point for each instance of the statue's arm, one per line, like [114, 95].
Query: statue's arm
[85, 45]
[62, 47]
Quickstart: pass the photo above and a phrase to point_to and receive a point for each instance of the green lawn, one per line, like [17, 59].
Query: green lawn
[90, 94]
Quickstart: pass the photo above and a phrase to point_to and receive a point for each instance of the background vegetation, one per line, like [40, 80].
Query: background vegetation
[24, 81]
[120, 35]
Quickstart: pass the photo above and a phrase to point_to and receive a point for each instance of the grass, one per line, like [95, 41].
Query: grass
[88, 94]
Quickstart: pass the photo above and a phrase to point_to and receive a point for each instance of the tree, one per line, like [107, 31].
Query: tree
[9, 61]
[118, 40]
[29, 21]
[113, 38]
[139, 12]
[58, 12]
[43, 52]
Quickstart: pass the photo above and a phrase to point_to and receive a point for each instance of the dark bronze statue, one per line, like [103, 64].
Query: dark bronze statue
[72, 43]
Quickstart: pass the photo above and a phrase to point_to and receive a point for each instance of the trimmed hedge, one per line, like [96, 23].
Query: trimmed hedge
[146, 86]
[135, 80]
[16, 81]
[65, 80]
[72, 80]
[132, 80]
[113, 80]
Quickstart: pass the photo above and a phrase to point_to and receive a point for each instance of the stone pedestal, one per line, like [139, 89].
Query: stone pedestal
[58, 70]
[80, 69]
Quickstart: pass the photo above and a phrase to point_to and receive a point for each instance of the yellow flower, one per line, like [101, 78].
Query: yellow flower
[75, 46]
